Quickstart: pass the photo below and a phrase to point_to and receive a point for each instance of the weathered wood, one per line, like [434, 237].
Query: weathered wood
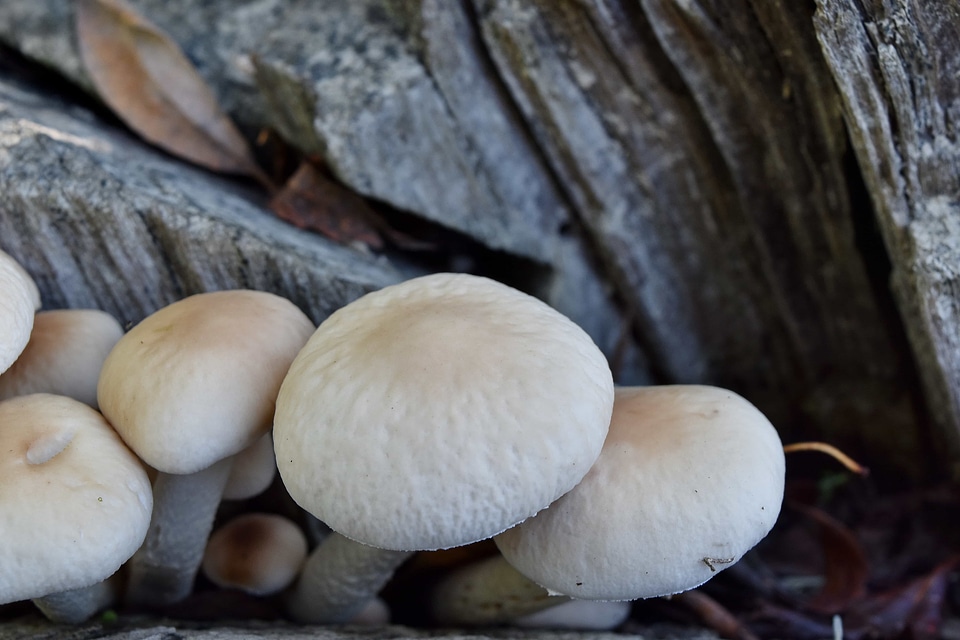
[693, 156]
[702, 145]
[152, 629]
[101, 221]
[897, 66]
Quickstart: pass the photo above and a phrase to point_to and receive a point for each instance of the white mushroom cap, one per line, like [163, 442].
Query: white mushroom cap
[66, 350]
[690, 478]
[75, 501]
[259, 553]
[253, 470]
[440, 411]
[195, 382]
[19, 299]
[579, 615]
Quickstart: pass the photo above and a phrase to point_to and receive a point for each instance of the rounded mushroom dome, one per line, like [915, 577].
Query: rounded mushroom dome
[76, 502]
[195, 381]
[690, 478]
[66, 350]
[440, 411]
[19, 299]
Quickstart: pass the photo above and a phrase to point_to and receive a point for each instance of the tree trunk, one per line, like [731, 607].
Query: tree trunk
[683, 169]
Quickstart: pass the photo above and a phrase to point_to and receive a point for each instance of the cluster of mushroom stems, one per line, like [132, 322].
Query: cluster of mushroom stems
[431, 414]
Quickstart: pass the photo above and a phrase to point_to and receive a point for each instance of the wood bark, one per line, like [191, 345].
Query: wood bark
[898, 69]
[683, 166]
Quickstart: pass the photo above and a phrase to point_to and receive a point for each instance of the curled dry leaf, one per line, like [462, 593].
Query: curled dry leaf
[145, 78]
[846, 564]
[311, 200]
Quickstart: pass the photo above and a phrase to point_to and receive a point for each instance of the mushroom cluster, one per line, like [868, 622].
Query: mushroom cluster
[431, 414]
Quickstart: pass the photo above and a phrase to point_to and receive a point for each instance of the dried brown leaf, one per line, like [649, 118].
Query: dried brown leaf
[916, 606]
[846, 564]
[144, 77]
[714, 615]
[312, 200]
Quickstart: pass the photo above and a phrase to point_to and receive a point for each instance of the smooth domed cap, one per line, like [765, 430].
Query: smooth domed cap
[259, 553]
[19, 299]
[252, 471]
[66, 350]
[196, 381]
[440, 411]
[690, 478]
[76, 502]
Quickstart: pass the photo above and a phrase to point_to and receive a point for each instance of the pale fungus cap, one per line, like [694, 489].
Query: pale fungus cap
[440, 411]
[259, 553]
[195, 382]
[252, 471]
[75, 500]
[19, 299]
[690, 478]
[66, 350]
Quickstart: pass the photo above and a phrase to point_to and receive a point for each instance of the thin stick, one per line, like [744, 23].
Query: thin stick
[831, 451]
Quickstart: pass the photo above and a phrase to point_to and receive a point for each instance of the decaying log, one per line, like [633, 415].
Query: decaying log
[897, 65]
[687, 160]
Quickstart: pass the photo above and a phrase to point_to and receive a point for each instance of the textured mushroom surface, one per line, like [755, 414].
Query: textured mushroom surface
[66, 350]
[19, 298]
[75, 501]
[440, 411]
[195, 381]
[690, 478]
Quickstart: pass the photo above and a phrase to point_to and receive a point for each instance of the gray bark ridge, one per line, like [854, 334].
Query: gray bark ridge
[102, 221]
[897, 66]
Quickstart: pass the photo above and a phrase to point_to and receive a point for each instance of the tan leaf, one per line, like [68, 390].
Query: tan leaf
[310, 199]
[145, 78]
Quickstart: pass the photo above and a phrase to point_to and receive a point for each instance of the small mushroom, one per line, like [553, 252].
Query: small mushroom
[66, 350]
[19, 299]
[253, 470]
[690, 478]
[258, 553]
[431, 414]
[75, 501]
[577, 615]
[187, 388]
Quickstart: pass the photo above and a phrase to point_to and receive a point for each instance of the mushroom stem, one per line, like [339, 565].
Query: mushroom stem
[488, 592]
[339, 579]
[78, 605]
[162, 571]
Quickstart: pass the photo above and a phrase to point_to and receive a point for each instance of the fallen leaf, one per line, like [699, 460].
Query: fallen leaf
[713, 615]
[311, 200]
[144, 77]
[916, 606]
[846, 567]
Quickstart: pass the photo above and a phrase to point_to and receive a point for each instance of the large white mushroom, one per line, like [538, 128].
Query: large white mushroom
[75, 505]
[187, 388]
[19, 299]
[427, 415]
[690, 478]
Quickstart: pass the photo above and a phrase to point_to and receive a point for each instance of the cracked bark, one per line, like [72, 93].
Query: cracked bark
[698, 150]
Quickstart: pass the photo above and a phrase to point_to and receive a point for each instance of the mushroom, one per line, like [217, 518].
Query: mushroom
[19, 299]
[431, 414]
[253, 470]
[577, 615]
[258, 553]
[67, 347]
[75, 502]
[690, 478]
[187, 388]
